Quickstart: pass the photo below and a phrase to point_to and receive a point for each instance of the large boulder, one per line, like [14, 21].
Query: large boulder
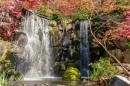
[72, 74]
[119, 81]
[21, 41]
[117, 53]
[121, 43]
[126, 56]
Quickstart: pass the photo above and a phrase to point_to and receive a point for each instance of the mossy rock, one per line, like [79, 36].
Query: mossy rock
[72, 74]
[7, 48]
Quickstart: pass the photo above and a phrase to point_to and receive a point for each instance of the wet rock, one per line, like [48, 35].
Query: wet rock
[69, 27]
[126, 56]
[121, 43]
[22, 40]
[118, 54]
[52, 23]
[66, 42]
[57, 51]
[56, 37]
[119, 81]
[72, 74]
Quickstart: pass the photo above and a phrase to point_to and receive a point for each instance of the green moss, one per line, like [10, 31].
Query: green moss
[72, 74]
[12, 59]
[53, 31]
[5, 62]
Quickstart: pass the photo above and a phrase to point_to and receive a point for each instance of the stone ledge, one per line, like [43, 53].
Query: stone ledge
[119, 81]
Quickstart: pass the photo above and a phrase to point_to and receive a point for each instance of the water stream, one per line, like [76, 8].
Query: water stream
[36, 60]
[84, 48]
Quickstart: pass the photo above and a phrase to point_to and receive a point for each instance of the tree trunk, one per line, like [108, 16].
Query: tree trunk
[126, 72]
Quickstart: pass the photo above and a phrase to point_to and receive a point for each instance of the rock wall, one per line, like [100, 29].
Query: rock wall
[66, 44]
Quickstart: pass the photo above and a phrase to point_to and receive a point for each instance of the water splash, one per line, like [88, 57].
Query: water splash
[84, 48]
[36, 60]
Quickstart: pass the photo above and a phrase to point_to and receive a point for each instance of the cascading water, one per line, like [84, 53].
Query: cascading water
[84, 48]
[36, 60]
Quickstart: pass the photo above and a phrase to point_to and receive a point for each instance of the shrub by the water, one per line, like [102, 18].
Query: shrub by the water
[103, 69]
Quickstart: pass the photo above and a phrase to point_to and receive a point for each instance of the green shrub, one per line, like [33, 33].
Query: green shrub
[41, 10]
[103, 68]
[128, 44]
[56, 17]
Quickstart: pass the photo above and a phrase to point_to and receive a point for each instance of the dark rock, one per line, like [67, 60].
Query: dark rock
[126, 56]
[66, 42]
[121, 43]
[56, 38]
[77, 25]
[70, 34]
[64, 49]
[118, 54]
[119, 81]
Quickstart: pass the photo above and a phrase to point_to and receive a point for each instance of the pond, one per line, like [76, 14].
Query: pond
[46, 81]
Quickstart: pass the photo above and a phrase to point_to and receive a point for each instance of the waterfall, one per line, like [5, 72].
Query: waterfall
[84, 48]
[35, 62]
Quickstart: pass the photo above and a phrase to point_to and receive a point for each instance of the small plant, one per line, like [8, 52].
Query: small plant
[56, 17]
[128, 44]
[3, 77]
[103, 69]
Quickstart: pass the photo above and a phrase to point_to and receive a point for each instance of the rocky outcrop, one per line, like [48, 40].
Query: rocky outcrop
[119, 81]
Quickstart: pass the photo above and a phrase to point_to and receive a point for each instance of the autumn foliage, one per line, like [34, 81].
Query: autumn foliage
[14, 9]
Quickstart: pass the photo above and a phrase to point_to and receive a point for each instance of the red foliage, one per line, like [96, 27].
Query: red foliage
[15, 10]
[126, 25]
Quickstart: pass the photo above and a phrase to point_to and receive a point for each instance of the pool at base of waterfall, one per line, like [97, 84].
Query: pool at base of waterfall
[45, 82]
